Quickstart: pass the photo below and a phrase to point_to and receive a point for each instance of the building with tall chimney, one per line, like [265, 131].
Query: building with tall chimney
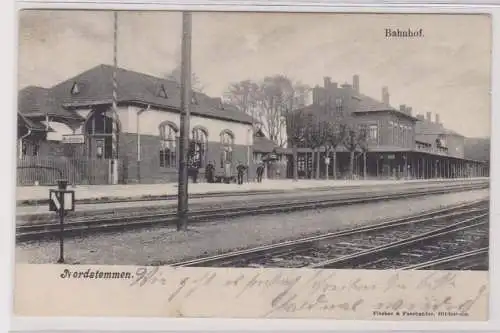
[399, 143]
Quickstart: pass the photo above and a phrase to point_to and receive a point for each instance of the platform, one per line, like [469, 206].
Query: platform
[33, 194]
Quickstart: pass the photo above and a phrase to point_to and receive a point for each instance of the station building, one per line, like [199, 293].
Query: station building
[68, 130]
[400, 143]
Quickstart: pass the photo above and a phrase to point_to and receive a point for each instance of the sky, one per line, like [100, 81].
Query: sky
[447, 71]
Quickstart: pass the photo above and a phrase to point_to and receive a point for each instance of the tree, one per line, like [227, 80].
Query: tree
[295, 131]
[335, 136]
[356, 136]
[351, 144]
[243, 95]
[316, 134]
[269, 101]
[175, 75]
[363, 145]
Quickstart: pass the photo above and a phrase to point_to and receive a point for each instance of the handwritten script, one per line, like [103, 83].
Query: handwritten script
[282, 292]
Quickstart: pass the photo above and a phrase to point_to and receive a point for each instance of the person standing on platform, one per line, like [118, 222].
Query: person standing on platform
[209, 172]
[227, 172]
[241, 170]
[260, 172]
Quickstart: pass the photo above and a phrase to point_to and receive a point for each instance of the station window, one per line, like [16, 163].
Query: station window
[227, 141]
[339, 105]
[24, 149]
[168, 146]
[301, 163]
[198, 147]
[373, 132]
[391, 130]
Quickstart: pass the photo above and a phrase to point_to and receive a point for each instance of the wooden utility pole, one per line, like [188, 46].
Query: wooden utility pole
[186, 95]
[114, 111]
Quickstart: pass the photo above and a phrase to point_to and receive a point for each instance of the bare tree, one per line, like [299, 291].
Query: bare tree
[334, 138]
[355, 139]
[296, 135]
[243, 95]
[363, 145]
[316, 135]
[269, 101]
[351, 144]
[175, 75]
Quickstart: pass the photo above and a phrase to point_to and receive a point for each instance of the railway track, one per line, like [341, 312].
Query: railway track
[470, 260]
[78, 227]
[432, 243]
[92, 211]
[350, 246]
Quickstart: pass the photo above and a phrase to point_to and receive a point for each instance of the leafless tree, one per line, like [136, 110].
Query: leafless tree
[243, 95]
[175, 75]
[355, 140]
[269, 101]
[317, 130]
[296, 135]
[363, 146]
[335, 137]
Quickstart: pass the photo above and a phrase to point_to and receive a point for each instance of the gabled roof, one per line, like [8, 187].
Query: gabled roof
[261, 143]
[95, 86]
[37, 101]
[32, 124]
[365, 104]
[428, 132]
[369, 104]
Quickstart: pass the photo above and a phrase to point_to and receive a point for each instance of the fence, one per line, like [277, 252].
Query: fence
[46, 171]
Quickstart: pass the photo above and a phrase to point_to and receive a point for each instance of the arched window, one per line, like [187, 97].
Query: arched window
[168, 145]
[99, 129]
[198, 147]
[227, 140]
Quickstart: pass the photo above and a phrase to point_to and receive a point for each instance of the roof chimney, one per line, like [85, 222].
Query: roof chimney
[327, 80]
[408, 110]
[429, 119]
[437, 118]
[355, 82]
[385, 95]
[402, 108]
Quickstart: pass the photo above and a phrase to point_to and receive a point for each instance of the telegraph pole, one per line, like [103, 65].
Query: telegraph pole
[182, 205]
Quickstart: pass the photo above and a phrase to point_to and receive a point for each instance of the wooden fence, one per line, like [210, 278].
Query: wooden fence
[46, 171]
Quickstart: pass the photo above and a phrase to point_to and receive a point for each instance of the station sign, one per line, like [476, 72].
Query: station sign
[73, 138]
[61, 199]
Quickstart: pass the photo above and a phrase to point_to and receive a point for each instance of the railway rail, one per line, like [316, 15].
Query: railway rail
[350, 246]
[431, 243]
[469, 260]
[137, 208]
[77, 227]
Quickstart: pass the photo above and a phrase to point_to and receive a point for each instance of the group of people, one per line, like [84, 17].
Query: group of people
[240, 170]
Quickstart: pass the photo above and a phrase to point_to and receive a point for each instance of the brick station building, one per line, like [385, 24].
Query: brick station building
[68, 129]
[400, 144]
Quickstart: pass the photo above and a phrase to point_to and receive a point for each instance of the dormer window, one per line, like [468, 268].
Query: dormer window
[75, 89]
[162, 92]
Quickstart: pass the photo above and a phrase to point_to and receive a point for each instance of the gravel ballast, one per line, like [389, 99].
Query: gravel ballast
[166, 245]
